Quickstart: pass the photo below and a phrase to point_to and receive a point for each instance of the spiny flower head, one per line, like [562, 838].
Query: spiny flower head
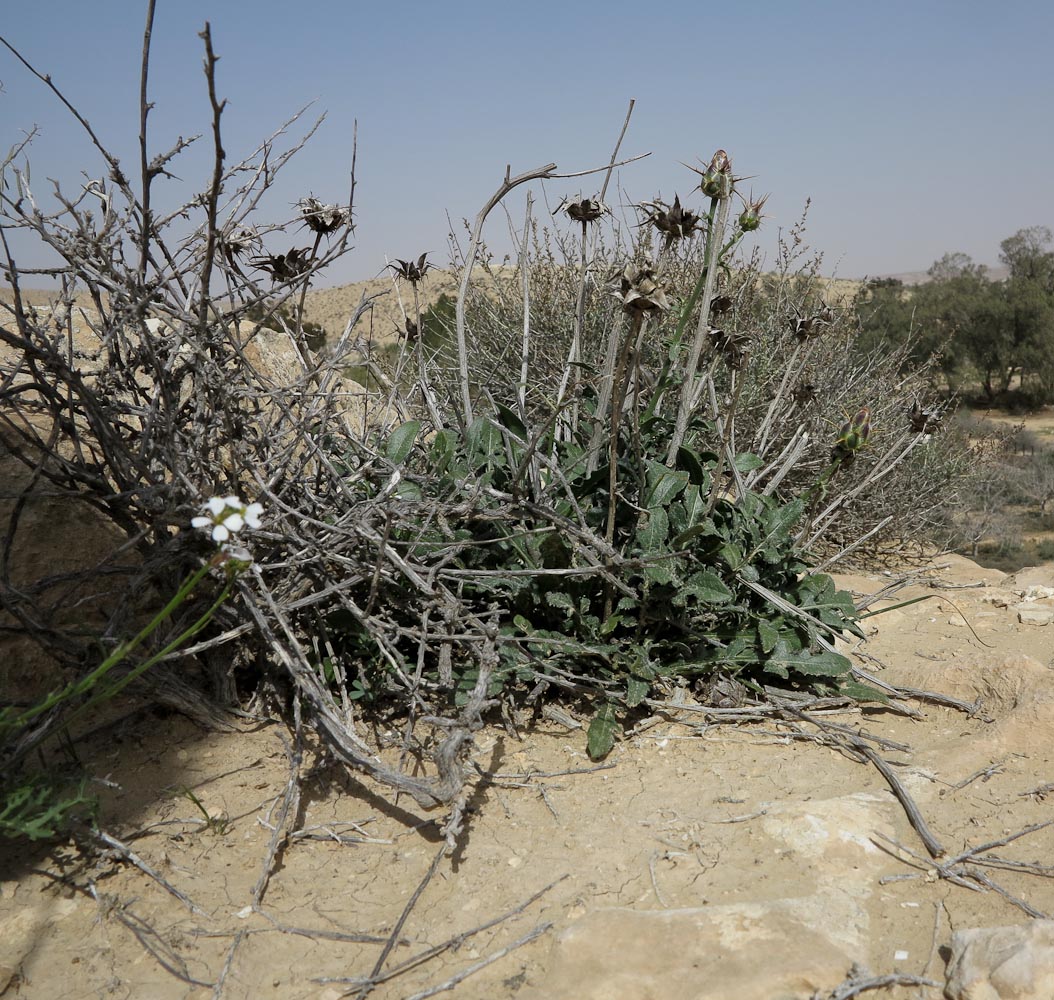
[640, 291]
[673, 221]
[320, 218]
[750, 218]
[412, 271]
[584, 210]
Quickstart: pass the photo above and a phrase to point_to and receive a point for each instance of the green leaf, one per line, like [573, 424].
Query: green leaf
[558, 599]
[601, 735]
[691, 463]
[483, 440]
[401, 441]
[732, 555]
[767, 636]
[708, 588]
[686, 536]
[652, 536]
[862, 692]
[802, 661]
[636, 691]
[780, 522]
[511, 422]
[747, 462]
[663, 484]
[661, 572]
[444, 444]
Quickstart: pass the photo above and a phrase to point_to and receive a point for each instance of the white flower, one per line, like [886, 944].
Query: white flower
[252, 515]
[224, 517]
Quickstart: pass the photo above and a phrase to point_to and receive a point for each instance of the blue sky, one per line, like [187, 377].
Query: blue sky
[915, 127]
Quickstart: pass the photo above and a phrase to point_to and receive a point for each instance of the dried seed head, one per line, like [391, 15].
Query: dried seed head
[852, 437]
[721, 305]
[584, 209]
[412, 271]
[673, 221]
[238, 241]
[750, 218]
[807, 327]
[925, 420]
[322, 219]
[734, 346]
[640, 291]
[803, 393]
[411, 331]
[285, 267]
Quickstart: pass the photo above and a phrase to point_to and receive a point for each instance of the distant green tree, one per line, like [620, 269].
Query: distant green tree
[982, 331]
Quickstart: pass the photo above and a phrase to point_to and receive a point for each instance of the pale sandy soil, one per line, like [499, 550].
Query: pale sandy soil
[651, 831]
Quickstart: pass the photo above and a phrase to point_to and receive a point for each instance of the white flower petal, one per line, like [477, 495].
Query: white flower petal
[234, 502]
[217, 505]
[252, 515]
[234, 522]
[220, 533]
[201, 522]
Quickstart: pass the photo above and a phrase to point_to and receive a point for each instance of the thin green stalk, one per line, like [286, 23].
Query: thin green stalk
[618, 396]
[85, 684]
[692, 385]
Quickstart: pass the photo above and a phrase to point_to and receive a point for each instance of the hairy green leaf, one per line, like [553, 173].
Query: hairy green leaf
[401, 441]
[602, 729]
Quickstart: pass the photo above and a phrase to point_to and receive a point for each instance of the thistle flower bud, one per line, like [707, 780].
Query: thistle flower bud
[852, 437]
[718, 181]
[722, 304]
[750, 218]
[238, 241]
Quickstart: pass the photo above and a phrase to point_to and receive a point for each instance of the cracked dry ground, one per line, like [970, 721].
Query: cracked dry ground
[702, 860]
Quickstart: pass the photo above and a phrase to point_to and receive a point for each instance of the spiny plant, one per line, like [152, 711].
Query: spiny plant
[609, 525]
[593, 499]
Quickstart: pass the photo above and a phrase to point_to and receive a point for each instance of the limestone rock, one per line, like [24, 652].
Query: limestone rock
[749, 950]
[1034, 616]
[1002, 963]
[783, 948]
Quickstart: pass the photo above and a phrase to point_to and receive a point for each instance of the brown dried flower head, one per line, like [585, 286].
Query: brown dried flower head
[734, 346]
[722, 304]
[674, 221]
[285, 267]
[412, 271]
[808, 327]
[925, 420]
[804, 393]
[238, 241]
[584, 210]
[640, 291]
[320, 218]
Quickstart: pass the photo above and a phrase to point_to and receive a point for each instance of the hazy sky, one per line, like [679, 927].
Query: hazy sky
[915, 127]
